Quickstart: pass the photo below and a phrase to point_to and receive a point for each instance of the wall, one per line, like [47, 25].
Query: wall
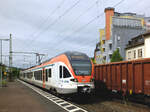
[121, 36]
[147, 47]
[132, 52]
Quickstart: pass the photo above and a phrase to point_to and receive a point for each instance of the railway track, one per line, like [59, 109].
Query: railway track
[92, 103]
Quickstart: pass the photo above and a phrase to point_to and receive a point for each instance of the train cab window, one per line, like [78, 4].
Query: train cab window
[50, 73]
[66, 73]
[60, 71]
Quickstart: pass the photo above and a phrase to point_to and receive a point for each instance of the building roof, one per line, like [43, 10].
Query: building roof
[109, 8]
[146, 34]
[138, 40]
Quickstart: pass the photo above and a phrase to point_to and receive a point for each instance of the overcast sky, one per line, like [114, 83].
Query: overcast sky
[55, 26]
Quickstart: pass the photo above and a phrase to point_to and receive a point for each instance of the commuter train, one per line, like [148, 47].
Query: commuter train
[67, 73]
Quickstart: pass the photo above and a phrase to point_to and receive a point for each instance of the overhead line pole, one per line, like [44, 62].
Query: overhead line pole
[1, 59]
[1, 63]
[10, 58]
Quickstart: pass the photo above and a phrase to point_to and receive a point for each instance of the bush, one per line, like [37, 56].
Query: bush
[4, 83]
[116, 57]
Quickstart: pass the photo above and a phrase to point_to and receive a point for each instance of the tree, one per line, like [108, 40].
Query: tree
[116, 57]
[93, 60]
[15, 72]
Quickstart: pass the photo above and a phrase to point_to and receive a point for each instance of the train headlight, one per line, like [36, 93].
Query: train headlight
[92, 80]
[74, 80]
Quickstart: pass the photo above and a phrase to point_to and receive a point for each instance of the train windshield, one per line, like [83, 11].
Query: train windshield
[82, 67]
[81, 64]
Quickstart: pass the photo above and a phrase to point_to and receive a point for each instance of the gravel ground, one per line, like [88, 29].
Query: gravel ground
[100, 104]
[110, 106]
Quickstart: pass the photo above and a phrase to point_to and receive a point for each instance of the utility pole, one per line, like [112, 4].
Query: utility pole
[1, 58]
[1, 63]
[39, 58]
[10, 58]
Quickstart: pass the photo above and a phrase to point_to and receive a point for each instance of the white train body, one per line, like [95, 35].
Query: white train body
[62, 75]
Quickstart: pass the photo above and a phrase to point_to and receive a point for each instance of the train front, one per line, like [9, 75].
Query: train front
[83, 72]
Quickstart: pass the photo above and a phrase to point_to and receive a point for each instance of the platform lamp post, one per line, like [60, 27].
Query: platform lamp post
[1, 57]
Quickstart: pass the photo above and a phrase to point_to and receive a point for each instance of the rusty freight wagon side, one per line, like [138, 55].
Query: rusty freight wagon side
[126, 76]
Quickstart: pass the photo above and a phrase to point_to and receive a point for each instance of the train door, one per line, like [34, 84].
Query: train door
[49, 73]
[60, 77]
[46, 78]
[66, 77]
[53, 76]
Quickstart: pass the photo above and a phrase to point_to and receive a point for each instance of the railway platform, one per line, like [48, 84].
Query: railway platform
[19, 98]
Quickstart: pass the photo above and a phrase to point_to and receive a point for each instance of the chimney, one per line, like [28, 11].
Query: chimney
[109, 12]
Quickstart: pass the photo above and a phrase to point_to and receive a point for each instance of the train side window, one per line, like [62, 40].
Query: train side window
[50, 73]
[38, 75]
[66, 73]
[41, 74]
[60, 71]
[46, 75]
[35, 75]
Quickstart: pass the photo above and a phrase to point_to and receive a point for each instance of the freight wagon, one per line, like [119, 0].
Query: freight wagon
[127, 77]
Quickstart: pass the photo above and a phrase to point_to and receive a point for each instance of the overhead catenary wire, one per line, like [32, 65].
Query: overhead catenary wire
[43, 22]
[48, 18]
[82, 27]
[91, 42]
[54, 22]
[87, 24]
[75, 20]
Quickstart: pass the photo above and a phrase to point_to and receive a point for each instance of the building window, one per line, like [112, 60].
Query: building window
[103, 41]
[104, 57]
[129, 55]
[140, 53]
[103, 49]
[110, 56]
[118, 38]
[134, 54]
[110, 46]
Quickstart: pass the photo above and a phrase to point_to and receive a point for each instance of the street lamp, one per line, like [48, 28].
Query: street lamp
[1, 57]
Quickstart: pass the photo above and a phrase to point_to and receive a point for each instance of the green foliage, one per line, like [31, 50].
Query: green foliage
[116, 57]
[4, 83]
[15, 72]
[93, 60]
